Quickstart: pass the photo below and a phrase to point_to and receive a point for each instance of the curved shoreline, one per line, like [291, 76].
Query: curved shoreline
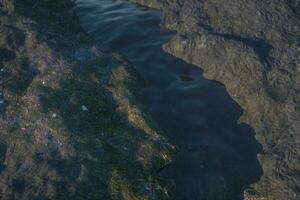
[261, 77]
[197, 115]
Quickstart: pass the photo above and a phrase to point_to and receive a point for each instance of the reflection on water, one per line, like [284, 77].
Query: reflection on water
[217, 157]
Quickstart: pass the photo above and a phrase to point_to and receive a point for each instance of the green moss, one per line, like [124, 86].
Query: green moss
[104, 140]
[61, 150]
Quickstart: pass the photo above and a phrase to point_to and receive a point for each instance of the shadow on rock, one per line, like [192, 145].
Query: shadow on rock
[20, 76]
[2, 156]
[6, 55]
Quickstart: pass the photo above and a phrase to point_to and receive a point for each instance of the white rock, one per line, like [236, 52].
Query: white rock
[59, 143]
[258, 13]
[84, 108]
[54, 115]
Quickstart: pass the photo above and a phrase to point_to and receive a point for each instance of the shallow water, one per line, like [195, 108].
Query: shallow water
[217, 156]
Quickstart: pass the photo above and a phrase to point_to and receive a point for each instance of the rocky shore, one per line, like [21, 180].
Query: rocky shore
[253, 48]
[70, 124]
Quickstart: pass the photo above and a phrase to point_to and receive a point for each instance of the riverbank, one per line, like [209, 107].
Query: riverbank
[251, 47]
[71, 127]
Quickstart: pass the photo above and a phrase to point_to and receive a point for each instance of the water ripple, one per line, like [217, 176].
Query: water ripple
[215, 152]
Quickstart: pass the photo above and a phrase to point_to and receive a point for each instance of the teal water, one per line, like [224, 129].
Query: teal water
[217, 156]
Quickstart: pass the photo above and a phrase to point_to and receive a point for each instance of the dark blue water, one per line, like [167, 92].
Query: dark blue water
[217, 157]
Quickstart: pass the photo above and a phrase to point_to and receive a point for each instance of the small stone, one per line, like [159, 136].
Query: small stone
[84, 108]
[258, 13]
[44, 82]
[59, 143]
[54, 115]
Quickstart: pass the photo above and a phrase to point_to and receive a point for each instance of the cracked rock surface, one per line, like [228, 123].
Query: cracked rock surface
[253, 47]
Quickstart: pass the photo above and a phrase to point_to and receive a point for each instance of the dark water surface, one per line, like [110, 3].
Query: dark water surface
[217, 157]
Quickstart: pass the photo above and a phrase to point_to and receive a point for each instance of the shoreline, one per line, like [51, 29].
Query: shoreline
[230, 46]
[71, 125]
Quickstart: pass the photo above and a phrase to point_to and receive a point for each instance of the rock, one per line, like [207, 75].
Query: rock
[71, 149]
[253, 48]
[84, 108]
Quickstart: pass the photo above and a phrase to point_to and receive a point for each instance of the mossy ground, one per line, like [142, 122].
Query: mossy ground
[71, 126]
